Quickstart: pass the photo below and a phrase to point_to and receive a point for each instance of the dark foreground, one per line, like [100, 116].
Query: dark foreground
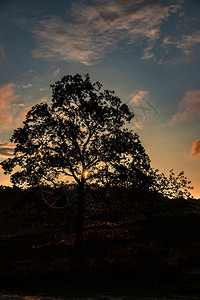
[157, 259]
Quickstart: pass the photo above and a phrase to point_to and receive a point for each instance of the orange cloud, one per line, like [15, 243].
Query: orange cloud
[189, 107]
[195, 149]
[138, 96]
[7, 97]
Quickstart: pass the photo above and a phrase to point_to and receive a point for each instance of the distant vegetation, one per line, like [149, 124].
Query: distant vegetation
[166, 197]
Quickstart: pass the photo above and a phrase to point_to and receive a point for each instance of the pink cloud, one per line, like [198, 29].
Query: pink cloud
[138, 96]
[195, 149]
[12, 112]
[189, 107]
[7, 97]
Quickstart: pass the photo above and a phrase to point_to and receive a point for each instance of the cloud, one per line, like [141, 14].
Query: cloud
[56, 72]
[138, 125]
[19, 104]
[141, 107]
[187, 43]
[27, 86]
[138, 96]
[7, 97]
[195, 149]
[12, 110]
[6, 149]
[100, 28]
[189, 107]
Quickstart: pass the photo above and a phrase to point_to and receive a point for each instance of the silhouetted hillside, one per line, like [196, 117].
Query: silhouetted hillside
[159, 256]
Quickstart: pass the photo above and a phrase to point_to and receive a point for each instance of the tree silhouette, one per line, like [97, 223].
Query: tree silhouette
[171, 186]
[81, 135]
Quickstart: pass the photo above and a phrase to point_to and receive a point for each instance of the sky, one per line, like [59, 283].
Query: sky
[148, 51]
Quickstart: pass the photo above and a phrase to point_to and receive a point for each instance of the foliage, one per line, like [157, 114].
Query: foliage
[172, 186]
[83, 129]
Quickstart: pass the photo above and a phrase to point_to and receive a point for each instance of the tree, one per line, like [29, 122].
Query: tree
[172, 186]
[81, 135]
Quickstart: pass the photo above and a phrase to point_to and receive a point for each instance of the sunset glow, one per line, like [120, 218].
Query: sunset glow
[86, 174]
[147, 51]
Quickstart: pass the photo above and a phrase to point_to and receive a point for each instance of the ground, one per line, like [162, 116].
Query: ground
[148, 258]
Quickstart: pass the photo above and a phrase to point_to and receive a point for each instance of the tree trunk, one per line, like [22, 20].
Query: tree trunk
[80, 216]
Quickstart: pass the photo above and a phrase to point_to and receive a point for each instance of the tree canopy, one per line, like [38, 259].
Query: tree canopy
[82, 134]
[81, 130]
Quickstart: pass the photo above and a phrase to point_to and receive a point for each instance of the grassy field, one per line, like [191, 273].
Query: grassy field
[138, 258]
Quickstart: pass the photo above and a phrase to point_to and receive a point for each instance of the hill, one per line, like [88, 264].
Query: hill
[138, 258]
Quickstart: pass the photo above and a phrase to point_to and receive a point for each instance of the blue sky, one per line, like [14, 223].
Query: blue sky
[147, 51]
